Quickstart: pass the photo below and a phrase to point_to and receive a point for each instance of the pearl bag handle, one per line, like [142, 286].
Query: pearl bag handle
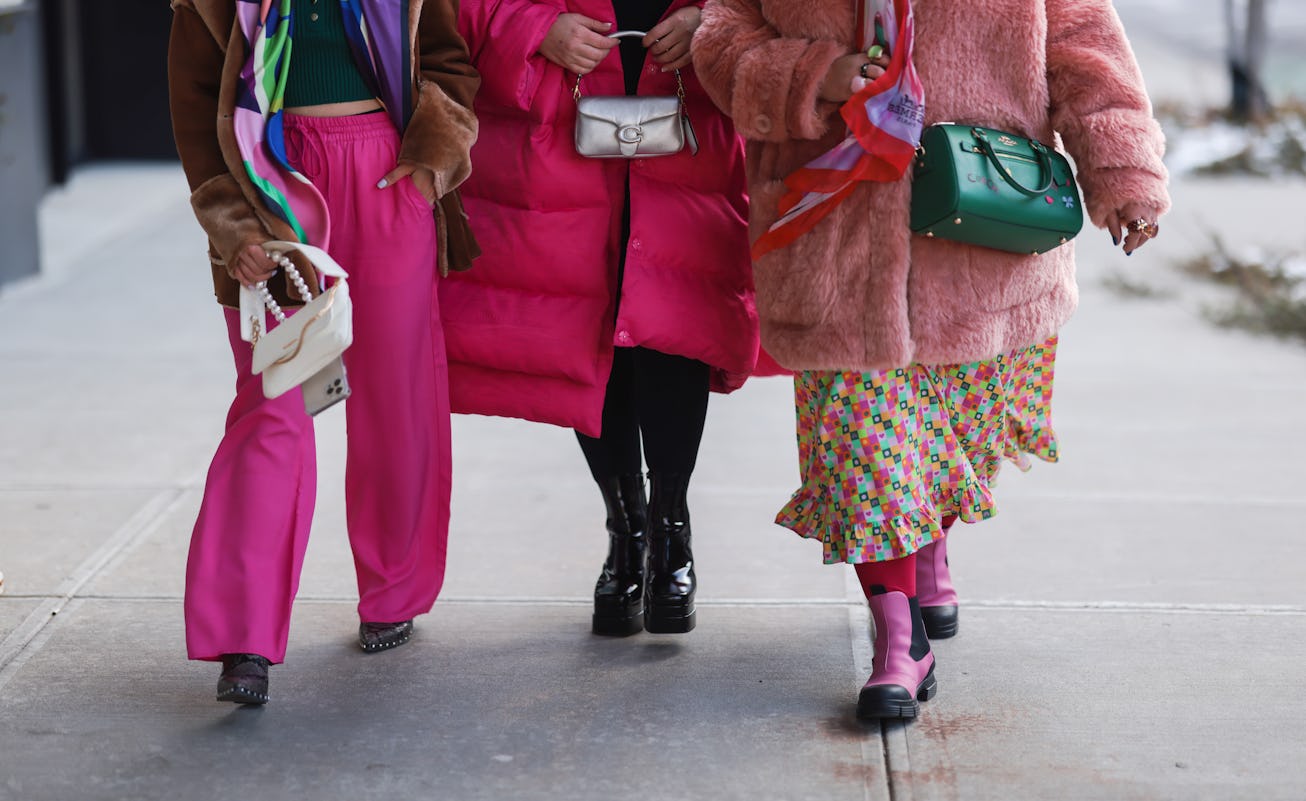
[254, 301]
[298, 280]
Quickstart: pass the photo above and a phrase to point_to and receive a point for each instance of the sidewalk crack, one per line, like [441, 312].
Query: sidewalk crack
[26, 638]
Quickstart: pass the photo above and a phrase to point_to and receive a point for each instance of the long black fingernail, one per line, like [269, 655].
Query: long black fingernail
[1115, 240]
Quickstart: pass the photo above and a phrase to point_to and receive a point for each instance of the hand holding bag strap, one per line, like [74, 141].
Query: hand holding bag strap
[254, 301]
[680, 83]
[301, 346]
[1044, 163]
[632, 126]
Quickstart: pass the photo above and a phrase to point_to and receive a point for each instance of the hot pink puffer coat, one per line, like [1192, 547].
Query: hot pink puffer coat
[531, 329]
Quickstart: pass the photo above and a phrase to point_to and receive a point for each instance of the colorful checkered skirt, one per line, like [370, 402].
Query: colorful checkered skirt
[885, 455]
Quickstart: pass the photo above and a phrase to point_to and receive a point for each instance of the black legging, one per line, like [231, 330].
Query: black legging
[660, 396]
[636, 15]
[663, 397]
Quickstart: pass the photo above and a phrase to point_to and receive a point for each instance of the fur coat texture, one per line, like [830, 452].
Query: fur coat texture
[531, 331]
[860, 291]
[205, 54]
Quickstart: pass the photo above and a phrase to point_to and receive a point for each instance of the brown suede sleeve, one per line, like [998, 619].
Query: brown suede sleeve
[443, 128]
[195, 64]
[458, 247]
[194, 77]
[226, 216]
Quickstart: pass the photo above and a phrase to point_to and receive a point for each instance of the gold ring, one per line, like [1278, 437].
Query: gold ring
[1142, 226]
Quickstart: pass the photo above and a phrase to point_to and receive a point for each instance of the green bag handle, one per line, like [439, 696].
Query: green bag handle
[1044, 163]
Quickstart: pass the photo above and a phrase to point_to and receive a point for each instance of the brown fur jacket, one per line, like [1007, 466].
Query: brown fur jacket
[205, 54]
[860, 291]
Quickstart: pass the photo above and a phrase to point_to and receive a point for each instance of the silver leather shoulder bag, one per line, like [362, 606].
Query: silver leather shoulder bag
[631, 126]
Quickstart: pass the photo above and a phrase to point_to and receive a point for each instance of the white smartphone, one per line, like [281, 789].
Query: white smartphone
[325, 388]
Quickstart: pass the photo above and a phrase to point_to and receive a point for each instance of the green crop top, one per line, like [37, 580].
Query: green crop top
[322, 68]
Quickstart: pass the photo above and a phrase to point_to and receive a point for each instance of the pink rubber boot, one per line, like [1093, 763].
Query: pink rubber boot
[902, 670]
[934, 590]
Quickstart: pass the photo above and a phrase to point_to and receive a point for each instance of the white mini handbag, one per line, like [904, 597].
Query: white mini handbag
[306, 342]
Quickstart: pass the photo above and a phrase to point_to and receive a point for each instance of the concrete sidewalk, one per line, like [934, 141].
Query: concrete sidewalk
[1133, 622]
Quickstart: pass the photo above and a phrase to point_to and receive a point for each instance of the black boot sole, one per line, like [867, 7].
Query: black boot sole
[242, 695]
[892, 702]
[940, 621]
[396, 634]
[669, 621]
[617, 622]
[385, 645]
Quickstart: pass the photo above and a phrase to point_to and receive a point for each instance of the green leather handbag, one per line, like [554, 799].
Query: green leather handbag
[993, 189]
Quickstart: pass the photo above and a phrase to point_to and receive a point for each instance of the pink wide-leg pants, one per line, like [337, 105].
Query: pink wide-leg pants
[248, 545]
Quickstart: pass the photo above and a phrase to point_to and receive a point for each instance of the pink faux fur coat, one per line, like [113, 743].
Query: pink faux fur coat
[860, 291]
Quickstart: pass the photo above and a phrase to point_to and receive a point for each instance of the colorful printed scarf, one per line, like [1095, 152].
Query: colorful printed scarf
[884, 121]
[378, 36]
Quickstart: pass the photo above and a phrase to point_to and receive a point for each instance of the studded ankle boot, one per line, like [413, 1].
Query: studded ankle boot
[244, 679]
[374, 636]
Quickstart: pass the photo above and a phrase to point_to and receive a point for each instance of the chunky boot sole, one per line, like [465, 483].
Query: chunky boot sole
[669, 620]
[893, 701]
[940, 621]
[373, 642]
[242, 695]
[384, 645]
[617, 622]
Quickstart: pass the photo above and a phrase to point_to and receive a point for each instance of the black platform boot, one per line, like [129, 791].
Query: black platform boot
[669, 601]
[619, 593]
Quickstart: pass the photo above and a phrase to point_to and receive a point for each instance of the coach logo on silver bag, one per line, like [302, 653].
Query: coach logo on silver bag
[632, 126]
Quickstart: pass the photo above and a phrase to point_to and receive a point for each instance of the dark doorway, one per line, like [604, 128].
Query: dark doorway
[124, 79]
